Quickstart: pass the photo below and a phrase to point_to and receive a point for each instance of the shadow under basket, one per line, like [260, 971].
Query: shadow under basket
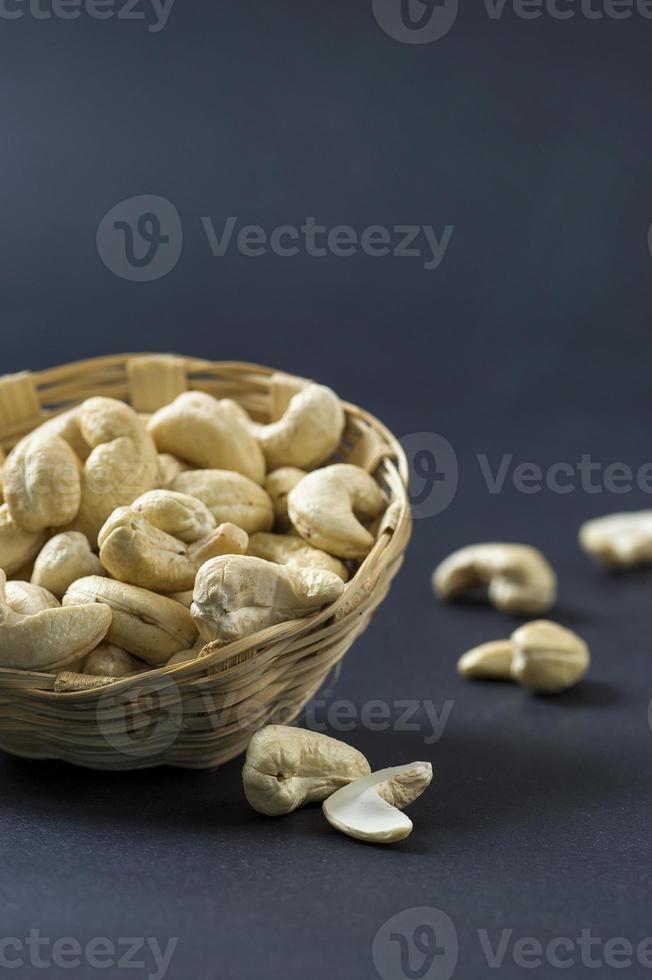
[202, 713]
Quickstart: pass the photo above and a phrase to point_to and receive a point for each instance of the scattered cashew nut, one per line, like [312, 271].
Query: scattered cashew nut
[370, 808]
[63, 559]
[619, 540]
[235, 595]
[286, 767]
[199, 428]
[542, 656]
[324, 508]
[518, 577]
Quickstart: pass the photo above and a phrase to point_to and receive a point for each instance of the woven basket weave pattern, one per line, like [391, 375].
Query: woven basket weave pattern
[202, 713]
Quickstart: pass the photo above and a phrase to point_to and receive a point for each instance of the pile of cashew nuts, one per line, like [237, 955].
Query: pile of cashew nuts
[129, 542]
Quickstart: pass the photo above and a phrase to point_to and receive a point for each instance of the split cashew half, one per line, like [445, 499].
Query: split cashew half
[201, 429]
[42, 482]
[619, 540]
[307, 433]
[287, 549]
[370, 808]
[542, 656]
[286, 767]
[324, 508]
[230, 497]
[518, 577]
[63, 559]
[235, 596]
[150, 626]
[123, 462]
[51, 637]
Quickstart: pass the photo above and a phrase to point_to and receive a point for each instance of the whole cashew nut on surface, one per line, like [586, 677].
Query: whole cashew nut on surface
[517, 577]
[619, 540]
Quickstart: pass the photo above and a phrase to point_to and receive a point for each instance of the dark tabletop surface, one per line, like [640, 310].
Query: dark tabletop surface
[528, 343]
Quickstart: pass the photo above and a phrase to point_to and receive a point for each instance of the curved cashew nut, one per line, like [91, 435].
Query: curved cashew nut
[542, 656]
[370, 808]
[17, 547]
[200, 429]
[230, 497]
[278, 485]
[324, 506]
[51, 637]
[178, 514]
[150, 626]
[133, 550]
[42, 483]
[66, 427]
[286, 767]
[27, 599]
[287, 549]
[518, 577]
[63, 559]
[123, 462]
[619, 540]
[235, 596]
[308, 432]
[107, 660]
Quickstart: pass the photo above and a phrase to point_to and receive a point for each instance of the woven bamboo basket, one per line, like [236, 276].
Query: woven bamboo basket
[201, 713]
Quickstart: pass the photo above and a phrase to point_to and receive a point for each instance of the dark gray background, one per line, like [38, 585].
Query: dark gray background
[532, 138]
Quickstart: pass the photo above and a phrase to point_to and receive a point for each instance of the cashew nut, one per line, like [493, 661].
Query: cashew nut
[324, 508]
[133, 550]
[42, 484]
[63, 559]
[286, 767]
[370, 808]
[107, 660]
[619, 540]
[183, 656]
[518, 577]
[178, 514]
[122, 465]
[230, 497]
[17, 547]
[235, 596]
[278, 485]
[308, 432]
[28, 599]
[542, 656]
[66, 427]
[286, 549]
[169, 468]
[150, 626]
[51, 637]
[198, 428]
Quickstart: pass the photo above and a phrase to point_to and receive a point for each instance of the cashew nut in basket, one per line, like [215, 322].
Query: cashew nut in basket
[51, 637]
[235, 596]
[198, 428]
[42, 482]
[230, 497]
[324, 508]
[63, 559]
